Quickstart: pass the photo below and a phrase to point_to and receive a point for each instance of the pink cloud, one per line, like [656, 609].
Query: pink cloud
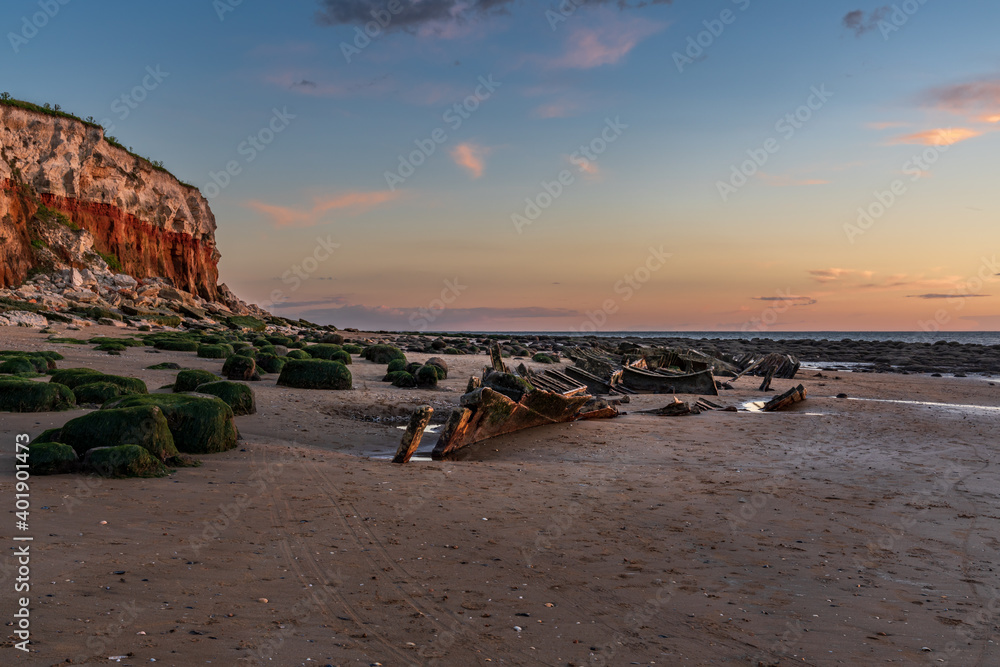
[351, 202]
[555, 110]
[470, 157]
[938, 136]
[587, 48]
[964, 98]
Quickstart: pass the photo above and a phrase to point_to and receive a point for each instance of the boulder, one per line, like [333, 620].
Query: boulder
[20, 395]
[123, 461]
[199, 425]
[239, 367]
[143, 425]
[74, 377]
[239, 397]
[97, 392]
[51, 458]
[190, 379]
[315, 374]
[23, 318]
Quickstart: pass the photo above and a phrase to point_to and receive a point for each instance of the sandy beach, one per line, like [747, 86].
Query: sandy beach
[855, 531]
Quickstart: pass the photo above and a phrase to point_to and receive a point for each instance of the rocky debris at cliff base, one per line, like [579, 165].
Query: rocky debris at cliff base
[81, 298]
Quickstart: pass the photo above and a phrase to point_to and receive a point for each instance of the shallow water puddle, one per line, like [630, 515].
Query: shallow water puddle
[758, 406]
[954, 406]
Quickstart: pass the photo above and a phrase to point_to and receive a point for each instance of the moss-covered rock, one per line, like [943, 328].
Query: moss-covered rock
[270, 363]
[246, 322]
[333, 338]
[199, 425]
[315, 374]
[298, 354]
[97, 392]
[190, 379]
[413, 367]
[123, 461]
[220, 351]
[239, 397]
[145, 425]
[452, 350]
[382, 354]
[176, 344]
[279, 340]
[240, 367]
[17, 365]
[51, 458]
[427, 376]
[351, 348]
[74, 377]
[165, 366]
[401, 379]
[323, 351]
[441, 364]
[48, 435]
[20, 395]
[396, 365]
[543, 358]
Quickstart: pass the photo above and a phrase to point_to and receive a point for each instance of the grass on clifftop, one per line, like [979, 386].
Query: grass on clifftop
[56, 111]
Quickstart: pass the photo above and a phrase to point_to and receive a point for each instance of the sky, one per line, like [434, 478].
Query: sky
[492, 165]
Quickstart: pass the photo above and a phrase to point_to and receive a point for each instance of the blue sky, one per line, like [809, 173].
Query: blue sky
[782, 251]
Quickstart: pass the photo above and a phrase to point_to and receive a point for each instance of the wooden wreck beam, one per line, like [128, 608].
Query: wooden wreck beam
[414, 432]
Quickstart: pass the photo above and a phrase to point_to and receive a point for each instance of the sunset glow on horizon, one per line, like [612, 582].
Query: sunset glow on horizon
[731, 165]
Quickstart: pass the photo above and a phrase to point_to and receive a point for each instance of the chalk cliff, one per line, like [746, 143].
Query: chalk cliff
[153, 224]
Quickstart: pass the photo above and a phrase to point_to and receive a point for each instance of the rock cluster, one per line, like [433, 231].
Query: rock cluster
[98, 295]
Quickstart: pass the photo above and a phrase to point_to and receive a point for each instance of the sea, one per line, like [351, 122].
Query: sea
[965, 337]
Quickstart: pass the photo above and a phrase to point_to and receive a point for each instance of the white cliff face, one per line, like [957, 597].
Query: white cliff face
[69, 159]
[149, 221]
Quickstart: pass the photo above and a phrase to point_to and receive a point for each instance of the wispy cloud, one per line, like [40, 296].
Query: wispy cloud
[470, 157]
[416, 14]
[314, 87]
[558, 109]
[351, 202]
[975, 100]
[587, 48]
[859, 22]
[938, 137]
[793, 300]
[946, 296]
[831, 275]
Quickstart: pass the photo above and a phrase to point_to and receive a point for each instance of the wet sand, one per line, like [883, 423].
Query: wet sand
[843, 532]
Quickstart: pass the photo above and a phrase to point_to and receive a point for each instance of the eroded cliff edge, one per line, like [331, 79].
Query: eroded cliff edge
[153, 224]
